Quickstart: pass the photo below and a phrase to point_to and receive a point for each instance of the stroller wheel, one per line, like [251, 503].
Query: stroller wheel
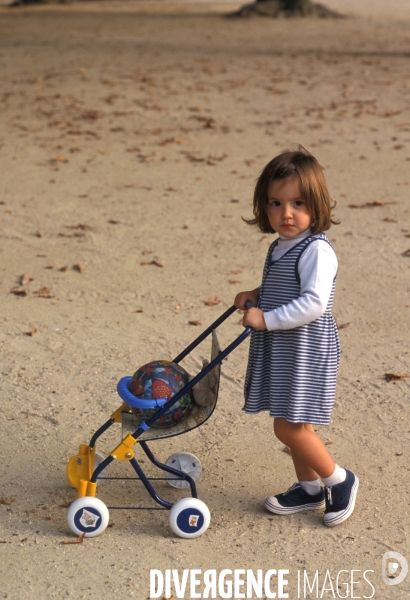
[88, 516]
[189, 518]
[187, 463]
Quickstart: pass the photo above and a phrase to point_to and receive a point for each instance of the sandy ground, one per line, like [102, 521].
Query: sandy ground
[129, 147]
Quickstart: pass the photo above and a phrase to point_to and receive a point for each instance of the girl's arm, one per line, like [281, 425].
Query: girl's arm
[317, 270]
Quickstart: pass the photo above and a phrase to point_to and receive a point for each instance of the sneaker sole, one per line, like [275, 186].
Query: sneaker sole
[341, 516]
[290, 510]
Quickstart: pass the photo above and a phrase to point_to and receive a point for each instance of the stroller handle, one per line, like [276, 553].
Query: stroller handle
[207, 331]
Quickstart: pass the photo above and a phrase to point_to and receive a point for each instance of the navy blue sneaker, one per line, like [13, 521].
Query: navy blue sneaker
[296, 499]
[340, 500]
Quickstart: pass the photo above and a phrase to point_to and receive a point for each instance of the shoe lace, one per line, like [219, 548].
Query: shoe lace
[329, 495]
[292, 487]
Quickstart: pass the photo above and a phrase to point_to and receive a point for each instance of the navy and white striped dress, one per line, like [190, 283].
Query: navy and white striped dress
[292, 373]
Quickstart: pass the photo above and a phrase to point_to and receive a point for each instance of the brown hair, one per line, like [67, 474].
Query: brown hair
[304, 167]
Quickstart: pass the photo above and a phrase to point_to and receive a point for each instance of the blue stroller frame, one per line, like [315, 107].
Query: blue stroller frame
[189, 517]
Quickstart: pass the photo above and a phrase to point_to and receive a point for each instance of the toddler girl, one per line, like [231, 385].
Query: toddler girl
[294, 351]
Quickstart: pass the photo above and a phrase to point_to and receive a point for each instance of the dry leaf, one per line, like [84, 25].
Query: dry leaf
[406, 252]
[174, 140]
[18, 291]
[343, 326]
[25, 279]
[212, 301]
[60, 158]
[113, 221]
[32, 332]
[70, 235]
[155, 262]
[196, 323]
[78, 540]
[91, 114]
[371, 204]
[395, 376]
[391, 113]
[193, 158]
[7, 501]
[43, 293]
[209, 122]
[80, 267]
[234, 281]
[81, 226]
[389, 220]
[237, 272]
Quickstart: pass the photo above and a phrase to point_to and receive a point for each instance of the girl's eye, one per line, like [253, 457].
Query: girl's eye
[299, 203]
[273, 203]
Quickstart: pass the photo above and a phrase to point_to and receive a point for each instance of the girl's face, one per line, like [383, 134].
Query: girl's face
[286, 209]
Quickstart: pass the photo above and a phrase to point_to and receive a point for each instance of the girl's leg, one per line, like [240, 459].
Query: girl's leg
[303, 471]
[310, 456]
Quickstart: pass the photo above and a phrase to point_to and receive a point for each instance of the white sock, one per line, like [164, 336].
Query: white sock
[339, 475]
[311, 487]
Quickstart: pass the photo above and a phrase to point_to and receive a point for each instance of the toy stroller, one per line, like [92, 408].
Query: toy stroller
[189, 517]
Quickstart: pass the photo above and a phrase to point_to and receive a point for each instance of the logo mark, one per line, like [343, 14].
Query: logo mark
[88, 519]
[193, 520]
[390, 568]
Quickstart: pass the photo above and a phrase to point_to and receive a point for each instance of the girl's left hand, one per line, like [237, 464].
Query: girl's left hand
[254, 318]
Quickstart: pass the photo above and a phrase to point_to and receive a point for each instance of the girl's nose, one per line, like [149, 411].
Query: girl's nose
[287, 211]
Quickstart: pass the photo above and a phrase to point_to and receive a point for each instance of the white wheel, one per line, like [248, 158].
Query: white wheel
[187, 463]
[99, 457]
[189, 518]
[88, 515]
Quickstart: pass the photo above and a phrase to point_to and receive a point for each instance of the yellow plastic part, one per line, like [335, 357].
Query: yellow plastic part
[81, 466]
[91, 489]
[82, 488]
[124, 450]
[116, 416]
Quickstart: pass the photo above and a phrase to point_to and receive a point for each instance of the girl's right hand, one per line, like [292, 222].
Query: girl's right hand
[243, 297]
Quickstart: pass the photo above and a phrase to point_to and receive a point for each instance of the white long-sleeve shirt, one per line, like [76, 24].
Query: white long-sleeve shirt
[317, 269]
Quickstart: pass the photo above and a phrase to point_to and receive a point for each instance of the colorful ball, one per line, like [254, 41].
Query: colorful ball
[161, 379]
